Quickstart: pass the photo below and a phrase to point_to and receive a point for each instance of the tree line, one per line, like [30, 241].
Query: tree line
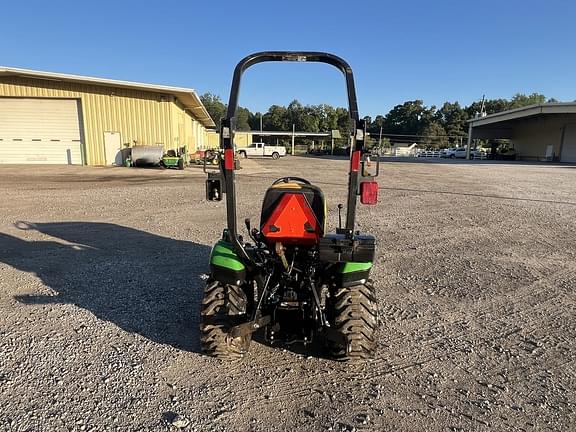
[411, 121]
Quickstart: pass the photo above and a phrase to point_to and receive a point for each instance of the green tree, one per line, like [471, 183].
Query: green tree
[434, 135]
[452, 117]
[376, 124]
[310, 119]
[215, 107]
[328, 119]
[410, 118]
[520, 100]
[242, 116]
[277, 119]
[254, 120]
[491, 106]
[343, 122]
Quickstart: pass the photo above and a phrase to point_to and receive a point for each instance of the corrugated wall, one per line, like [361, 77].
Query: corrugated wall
[145, 117]
[212, 139]
[242, 139]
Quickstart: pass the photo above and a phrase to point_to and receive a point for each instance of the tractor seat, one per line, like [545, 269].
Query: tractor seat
[293, 213]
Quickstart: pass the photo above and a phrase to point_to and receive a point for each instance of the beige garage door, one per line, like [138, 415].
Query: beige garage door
[42, 131]
[569, 145]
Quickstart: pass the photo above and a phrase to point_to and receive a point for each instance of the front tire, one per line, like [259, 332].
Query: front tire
[354, 313]
[243, 155]
[223, 307]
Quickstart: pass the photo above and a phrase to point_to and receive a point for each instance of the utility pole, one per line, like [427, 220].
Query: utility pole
[260, 125]
[380, 139]
[469, 143]
[293, 132]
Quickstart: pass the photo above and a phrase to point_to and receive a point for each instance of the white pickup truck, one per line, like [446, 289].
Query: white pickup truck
[262, 150]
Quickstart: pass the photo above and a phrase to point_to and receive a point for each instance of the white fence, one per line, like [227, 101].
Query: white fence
[429, 154]
[412, 152]
[480, 155]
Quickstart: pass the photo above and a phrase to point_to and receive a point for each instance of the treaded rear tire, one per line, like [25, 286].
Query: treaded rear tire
[354, 314]
[223, 307]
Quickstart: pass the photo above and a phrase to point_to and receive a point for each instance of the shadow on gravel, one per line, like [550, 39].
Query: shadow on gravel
[316, 349]
[142, 282]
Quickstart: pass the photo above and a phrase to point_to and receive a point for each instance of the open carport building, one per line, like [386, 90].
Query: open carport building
[53, 118]
[538, 132]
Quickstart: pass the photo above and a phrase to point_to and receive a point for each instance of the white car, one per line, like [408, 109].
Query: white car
[262, 150]
[460, 153]
[447, 153]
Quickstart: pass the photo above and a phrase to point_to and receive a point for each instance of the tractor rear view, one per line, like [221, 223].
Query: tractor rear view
[293, 280]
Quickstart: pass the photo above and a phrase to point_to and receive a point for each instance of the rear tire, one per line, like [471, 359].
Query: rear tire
[223, 307]
[275, 155]
[354, 313]
[243, 155]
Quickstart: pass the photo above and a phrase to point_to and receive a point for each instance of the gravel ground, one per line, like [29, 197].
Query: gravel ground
[100, 289]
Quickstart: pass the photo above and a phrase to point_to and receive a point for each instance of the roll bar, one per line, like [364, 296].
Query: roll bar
[227, 130]
[279, 56]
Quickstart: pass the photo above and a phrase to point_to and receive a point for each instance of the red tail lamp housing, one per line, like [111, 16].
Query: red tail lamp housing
[229, 159]
[369, 192]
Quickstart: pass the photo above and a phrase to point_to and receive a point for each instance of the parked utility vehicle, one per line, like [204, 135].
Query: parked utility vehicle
[262, 150]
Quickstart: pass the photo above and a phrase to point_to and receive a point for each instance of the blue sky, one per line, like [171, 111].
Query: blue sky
[432, 50]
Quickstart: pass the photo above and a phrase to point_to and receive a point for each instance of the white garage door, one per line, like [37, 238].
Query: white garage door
[42, 131]
[569, 145]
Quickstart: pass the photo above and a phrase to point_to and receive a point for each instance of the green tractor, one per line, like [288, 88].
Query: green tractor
[293, 281]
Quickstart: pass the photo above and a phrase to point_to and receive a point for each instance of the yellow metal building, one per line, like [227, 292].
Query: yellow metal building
[241, 139]
[58, 118]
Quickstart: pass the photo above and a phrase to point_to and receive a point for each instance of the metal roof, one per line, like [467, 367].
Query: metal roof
[188, 97]
[525, 112]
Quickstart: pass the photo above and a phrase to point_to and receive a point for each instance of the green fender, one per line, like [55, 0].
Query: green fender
[351, 273]
[351, 267]
[226, 266]
[223, 255]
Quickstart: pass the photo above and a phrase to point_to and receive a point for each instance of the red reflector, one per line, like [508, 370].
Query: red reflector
[369, 192]
[229, 159]
[292, 221]
[355, 165]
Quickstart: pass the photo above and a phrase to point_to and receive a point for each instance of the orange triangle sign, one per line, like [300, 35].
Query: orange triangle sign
[292, 222]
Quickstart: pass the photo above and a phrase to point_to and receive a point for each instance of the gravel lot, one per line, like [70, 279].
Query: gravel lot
[100, 289]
